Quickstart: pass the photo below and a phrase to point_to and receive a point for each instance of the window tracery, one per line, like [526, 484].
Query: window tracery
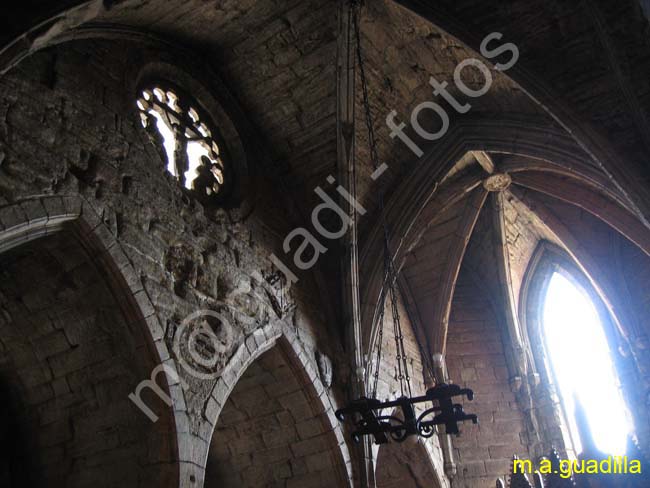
[573, 341]
[194, 155]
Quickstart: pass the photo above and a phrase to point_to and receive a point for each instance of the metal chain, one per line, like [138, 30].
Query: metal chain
[390, 276]
[380, 339]
[405, 379]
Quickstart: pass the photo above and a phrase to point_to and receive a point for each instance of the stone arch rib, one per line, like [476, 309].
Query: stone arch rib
[579, 254]
[418, 199]
[626, 174]
[438, 328]
[598, 205]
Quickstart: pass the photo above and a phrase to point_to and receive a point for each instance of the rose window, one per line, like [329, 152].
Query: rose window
[193, 155]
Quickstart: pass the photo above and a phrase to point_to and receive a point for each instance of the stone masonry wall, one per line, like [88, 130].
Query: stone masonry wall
[388, 388]
[475, 359]
[401, 466]
[68, 126]
[72, 358]
[270, 432]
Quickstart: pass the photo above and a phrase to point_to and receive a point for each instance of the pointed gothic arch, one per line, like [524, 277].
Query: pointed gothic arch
[547, 261]
[276, 376]
[90, 333]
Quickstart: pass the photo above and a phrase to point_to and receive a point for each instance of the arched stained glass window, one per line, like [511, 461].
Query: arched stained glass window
[580, 357]
[189, 141]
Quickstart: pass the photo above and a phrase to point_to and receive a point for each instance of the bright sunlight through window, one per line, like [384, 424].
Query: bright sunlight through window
[581, 359]
[178, 122]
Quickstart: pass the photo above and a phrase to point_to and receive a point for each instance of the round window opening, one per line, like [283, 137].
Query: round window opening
[191, 144]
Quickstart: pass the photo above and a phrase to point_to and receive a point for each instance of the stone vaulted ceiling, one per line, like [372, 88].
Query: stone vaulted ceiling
[491, 222]
[565, 130]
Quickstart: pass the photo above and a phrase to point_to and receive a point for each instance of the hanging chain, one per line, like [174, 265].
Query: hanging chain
[402, 358]
[390, 276]
[380, 339]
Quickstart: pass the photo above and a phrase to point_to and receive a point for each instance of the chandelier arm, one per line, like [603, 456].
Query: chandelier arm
[365, 412]
[391, 417]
